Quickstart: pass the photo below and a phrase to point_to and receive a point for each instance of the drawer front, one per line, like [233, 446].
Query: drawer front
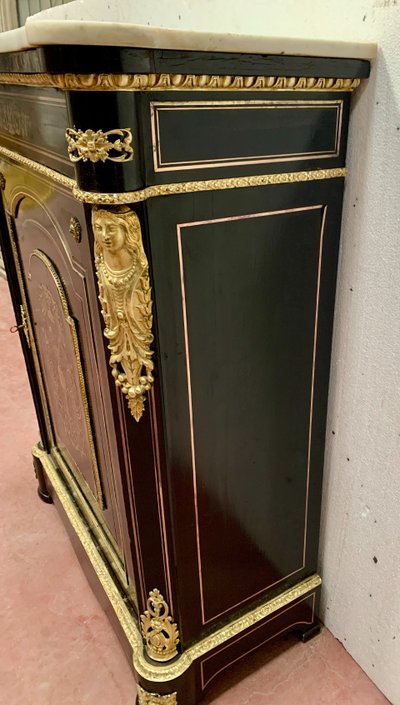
[33, 122]
[191, 139]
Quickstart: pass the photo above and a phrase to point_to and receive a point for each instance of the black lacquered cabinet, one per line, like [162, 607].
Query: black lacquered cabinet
[171, 239]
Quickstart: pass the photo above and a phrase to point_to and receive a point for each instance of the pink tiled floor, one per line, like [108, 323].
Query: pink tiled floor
[56, 646]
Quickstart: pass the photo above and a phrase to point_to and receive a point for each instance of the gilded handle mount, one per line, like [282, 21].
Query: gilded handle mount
[125, 296]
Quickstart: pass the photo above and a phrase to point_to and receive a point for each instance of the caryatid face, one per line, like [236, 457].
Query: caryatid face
[109, 231]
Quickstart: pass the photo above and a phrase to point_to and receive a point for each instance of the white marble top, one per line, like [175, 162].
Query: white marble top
[202, 25]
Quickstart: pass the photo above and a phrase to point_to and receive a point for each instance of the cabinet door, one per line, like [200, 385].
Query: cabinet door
[53, 254]
[244, 284]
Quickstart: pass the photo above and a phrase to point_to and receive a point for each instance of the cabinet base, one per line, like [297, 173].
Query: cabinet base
[307, 634]
[41, 478]
[183, 680]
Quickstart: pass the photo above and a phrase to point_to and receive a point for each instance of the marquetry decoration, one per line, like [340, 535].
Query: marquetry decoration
[75, 229]
[99, 146]
[73, 399]
[145, 698]
[169, 81]
[126, 305]
[159, 631]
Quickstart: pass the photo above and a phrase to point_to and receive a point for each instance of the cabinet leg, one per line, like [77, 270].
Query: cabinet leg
[42, 487]
[309, 632]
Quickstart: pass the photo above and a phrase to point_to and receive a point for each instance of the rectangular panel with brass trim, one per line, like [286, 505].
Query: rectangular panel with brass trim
[241, 132]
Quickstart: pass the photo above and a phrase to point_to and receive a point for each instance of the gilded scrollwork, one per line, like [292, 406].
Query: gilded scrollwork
[146, 698]
[159, 631]
[125, 296]
[98, 146]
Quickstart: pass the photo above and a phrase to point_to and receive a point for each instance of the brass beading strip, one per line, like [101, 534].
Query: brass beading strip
[127, 197]
[168, 671]
[176, 82]
[208, 185]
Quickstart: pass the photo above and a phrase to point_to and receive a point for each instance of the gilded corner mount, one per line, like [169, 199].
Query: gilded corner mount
[126, 305]
[100, 146]
[159, 631]
[146, 698]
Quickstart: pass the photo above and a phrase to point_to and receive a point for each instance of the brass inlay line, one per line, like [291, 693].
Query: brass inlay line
[128, 197]
[176, 82]
[82, 385]
[169, 671]
[160, 495]
[156, 108]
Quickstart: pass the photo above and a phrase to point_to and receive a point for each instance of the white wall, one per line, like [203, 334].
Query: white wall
[361, 600]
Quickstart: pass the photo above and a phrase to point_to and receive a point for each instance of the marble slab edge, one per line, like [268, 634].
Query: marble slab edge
[44, 32]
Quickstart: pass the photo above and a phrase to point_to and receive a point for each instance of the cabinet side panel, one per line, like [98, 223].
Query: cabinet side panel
[244, 290]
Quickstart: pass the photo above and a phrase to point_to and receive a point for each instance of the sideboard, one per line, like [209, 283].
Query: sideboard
[170, 228]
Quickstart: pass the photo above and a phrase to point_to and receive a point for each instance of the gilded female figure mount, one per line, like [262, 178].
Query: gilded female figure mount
[125, 296]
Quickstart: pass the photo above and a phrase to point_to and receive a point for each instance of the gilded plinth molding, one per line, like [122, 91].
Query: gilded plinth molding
[126, 305]
[159, 672]
[160, 633]
[145, 698]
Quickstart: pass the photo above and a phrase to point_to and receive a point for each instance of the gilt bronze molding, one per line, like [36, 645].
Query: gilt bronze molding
[129, 197]
[146, 698]
[176, 82]
[207, 185]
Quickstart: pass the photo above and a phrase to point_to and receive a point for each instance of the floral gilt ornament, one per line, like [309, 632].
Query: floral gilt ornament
[100, 146]
[159, 631]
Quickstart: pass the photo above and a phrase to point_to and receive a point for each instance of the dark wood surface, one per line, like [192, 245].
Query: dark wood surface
[250, 300]
[95, 59]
